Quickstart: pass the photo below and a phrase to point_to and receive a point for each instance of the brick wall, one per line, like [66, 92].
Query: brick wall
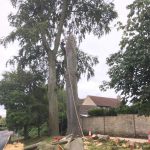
[121, 125]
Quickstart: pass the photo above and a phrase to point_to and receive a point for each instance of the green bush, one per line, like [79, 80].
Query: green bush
[33, 132]
[44, 129]
[102, 112]
[127, 110]
[62, 123]
[85, 132]
[111, 112]
[96, 112]
[114, 111]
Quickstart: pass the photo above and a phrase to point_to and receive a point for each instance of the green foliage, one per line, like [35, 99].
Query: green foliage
[44, 129]
[62, 123]
[96, 112]
[127, 110]
[130, 67]
[85, 132]
[85, 66]
[34, 19]
[145, 146]
[111, 112]
[24, 98]
[36, 23]
[102, 112]
[2, 123]
[133, 109]
[33, 131]
[61, 95]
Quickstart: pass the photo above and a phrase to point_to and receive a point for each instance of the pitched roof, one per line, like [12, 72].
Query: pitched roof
[105, 101]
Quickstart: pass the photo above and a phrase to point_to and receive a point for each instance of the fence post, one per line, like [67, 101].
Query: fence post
[104, 123]
[134, 125]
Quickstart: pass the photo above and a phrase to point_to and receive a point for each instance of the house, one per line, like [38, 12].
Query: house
[92, 102]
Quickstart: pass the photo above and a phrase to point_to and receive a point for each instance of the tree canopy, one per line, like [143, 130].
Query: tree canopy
[129, 70]
[23, 95]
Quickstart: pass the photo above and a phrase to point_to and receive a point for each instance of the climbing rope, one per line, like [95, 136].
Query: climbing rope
[75, 104]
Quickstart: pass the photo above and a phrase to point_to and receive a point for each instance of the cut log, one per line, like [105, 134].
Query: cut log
[47, 146]
[76, 144]
[33, 146]
[59, 142]
[66, 139]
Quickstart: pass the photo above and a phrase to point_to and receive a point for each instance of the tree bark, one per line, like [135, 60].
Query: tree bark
[60, 26]
[52, 96]
[69, 101]
[52, 89]
[71, 87]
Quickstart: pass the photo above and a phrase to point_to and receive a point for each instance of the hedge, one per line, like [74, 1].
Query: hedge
[113, 111]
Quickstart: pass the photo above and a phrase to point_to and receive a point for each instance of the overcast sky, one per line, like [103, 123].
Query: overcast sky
[102, 48]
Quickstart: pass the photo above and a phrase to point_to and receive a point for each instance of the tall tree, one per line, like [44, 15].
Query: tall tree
[69, 70]
[40, 24]
[130, 67]
[74, 125]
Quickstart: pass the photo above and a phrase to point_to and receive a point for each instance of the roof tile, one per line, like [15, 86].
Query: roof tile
[105, 101]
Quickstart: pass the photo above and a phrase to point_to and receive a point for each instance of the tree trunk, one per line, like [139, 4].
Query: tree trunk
[25, 132]
[52, 96]
[69, 101]
[71, 87]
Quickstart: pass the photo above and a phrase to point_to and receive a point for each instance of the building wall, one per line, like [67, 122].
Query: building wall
[121, 125]
[88, 101]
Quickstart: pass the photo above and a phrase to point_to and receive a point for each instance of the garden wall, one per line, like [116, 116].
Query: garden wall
[121, 125]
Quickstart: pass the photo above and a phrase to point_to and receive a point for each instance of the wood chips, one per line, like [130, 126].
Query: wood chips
[15, 146]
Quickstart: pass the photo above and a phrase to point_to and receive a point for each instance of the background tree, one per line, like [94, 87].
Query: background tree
[40, 24]
[39, 107]
[130, 67]
[19, 96]
[2, 123]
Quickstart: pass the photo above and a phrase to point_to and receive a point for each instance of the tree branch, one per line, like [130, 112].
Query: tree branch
[60, 26]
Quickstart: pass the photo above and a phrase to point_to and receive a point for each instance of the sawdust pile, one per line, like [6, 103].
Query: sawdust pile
[14, 146]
